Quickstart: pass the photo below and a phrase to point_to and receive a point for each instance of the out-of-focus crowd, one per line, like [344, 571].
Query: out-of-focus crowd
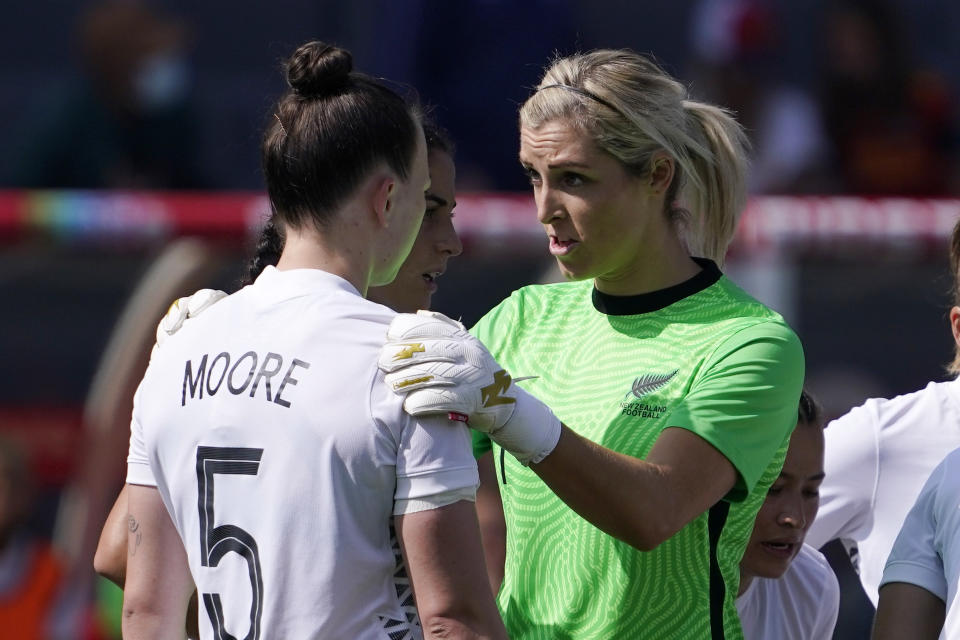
[868, 119]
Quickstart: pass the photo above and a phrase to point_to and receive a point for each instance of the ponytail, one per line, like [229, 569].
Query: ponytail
[267, 252]
[717, 192]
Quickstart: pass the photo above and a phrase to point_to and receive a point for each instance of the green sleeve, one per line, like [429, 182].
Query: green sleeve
[491, 330]
[744, 401]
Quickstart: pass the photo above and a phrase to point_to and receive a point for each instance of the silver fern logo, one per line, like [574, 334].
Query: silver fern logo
[648, 383]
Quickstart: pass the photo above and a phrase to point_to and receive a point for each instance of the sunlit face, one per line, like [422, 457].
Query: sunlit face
[436, 243]
[601, 221]
[789, 509]
[407, 204]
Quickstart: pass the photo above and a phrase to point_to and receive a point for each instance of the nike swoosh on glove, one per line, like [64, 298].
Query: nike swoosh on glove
[440, 368]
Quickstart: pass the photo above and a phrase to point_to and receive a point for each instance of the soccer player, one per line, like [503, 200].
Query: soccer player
[879, 454]
[682, 389]
[267, 457]
[787, 589]
[918, 591]
[412, 289]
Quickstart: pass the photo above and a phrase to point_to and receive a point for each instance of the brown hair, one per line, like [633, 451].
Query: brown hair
[328, 132]
[809, 411]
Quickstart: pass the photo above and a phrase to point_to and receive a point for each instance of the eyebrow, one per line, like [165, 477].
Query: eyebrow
[560, 165]
[440, 202]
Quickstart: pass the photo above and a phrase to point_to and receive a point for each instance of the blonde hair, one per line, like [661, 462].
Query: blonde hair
[632, 108]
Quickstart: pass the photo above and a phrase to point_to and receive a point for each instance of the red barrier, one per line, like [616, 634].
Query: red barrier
[769, 221]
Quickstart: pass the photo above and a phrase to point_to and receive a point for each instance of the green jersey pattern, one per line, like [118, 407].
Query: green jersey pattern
[706, 357]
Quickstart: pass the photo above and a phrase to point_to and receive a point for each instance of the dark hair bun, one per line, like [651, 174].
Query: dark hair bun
[318, 68]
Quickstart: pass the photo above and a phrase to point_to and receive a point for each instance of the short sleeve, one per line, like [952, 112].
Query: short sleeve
[829, 607]
[914, 558]
[138, 462]
[850, 462]
[434, 457]
[744, 401]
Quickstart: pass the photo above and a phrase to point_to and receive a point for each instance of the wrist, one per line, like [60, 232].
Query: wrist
[531, 433]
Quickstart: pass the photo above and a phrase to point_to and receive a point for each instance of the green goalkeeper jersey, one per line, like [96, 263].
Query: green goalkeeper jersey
[702, 355]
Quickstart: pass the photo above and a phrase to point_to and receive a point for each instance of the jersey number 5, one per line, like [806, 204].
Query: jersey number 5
[216, 542]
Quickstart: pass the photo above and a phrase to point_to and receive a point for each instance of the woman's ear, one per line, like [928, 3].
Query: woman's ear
[383, 194]
[955, 324]
[661, 171]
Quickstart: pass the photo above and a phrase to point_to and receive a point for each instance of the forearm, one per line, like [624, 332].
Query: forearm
[621, 496]
[457, 627]
[141, 624]
[641, 502]
[158, 582]
[908, 611]
[444, 561]
[110, 559]
[493, 528]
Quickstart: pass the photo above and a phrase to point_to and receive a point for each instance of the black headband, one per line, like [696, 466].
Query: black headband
[582, 92]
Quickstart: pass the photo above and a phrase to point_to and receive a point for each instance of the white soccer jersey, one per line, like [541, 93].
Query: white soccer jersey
[800, 605]
[282, 456]
[927, 551]
[876, 459]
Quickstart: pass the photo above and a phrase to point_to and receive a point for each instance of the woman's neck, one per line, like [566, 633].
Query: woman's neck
[661, 267]
[308, 249]
[746, 580]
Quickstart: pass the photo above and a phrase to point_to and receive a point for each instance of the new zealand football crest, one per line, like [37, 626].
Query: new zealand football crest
[643, 386]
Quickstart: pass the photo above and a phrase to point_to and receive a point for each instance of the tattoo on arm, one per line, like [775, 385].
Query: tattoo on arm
[134, 527]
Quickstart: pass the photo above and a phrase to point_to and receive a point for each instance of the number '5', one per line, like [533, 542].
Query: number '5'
[216, 542]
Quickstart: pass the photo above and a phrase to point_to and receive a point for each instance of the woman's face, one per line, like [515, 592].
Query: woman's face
[436, 243]
[407, 208]
[790, 507]
[602, 222]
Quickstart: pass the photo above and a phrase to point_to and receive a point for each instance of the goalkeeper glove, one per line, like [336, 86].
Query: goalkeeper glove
[182, 310]
[443, 369]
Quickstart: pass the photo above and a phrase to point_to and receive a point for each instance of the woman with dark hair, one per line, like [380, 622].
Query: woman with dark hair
[300, 455]
[787, 589]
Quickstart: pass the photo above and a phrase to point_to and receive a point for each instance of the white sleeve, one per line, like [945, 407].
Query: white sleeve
[914, 558]
[829, 606]
[435, 456]
[847, 494]
[138, 462]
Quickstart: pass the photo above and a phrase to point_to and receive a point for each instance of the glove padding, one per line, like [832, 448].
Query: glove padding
[182, 310]
[443, 369]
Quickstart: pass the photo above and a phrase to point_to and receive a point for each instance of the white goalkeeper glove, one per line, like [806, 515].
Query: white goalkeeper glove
[182, 310]
[443, 369]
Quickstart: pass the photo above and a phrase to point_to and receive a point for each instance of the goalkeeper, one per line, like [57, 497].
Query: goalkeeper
[682, 389]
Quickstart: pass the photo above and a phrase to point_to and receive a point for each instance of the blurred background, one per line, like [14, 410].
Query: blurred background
[129, 175]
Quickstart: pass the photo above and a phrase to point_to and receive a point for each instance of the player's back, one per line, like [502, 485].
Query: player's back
[274, 445]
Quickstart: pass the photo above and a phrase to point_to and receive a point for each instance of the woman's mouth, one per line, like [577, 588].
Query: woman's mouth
[560, 247]
[784, 550]
[430, 278]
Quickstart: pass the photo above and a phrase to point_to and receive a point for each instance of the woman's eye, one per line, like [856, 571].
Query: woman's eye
[532, 175]
[774, 490]
[573, 179]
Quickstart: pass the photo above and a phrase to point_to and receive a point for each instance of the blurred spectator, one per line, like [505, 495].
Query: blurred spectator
[891, 123]
[479, 60]
[128, 123]
[29, 570]
[735, 63]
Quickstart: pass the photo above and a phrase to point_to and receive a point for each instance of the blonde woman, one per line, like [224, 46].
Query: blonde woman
[681, 388]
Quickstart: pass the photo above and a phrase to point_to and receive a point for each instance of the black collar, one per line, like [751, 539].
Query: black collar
[656, 300]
